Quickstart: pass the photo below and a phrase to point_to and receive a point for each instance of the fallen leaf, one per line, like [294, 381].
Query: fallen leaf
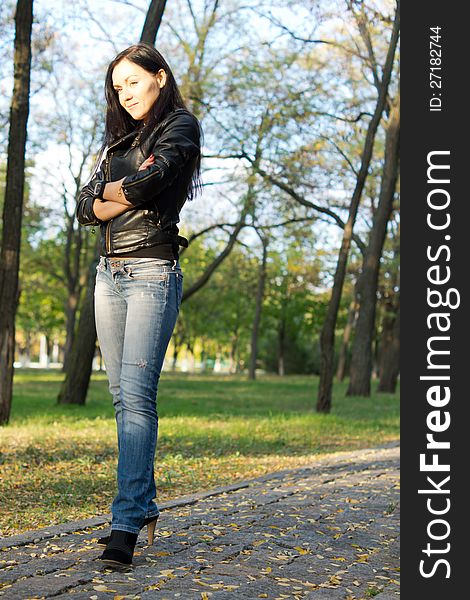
[301, 550]
[167, 572]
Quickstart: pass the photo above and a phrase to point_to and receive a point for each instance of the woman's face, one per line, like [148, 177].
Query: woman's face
[137, 89]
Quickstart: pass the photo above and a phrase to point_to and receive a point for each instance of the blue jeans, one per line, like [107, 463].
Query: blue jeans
[137, 301]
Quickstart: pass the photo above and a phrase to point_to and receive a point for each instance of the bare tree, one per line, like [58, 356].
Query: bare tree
[361, 360]
[13, 204]
[342, 359]
[76, 257]
[328, 330]
[389, 343]
[258, 307]
[75, 385]
[78, 372]
[152, 21]
[389, 355]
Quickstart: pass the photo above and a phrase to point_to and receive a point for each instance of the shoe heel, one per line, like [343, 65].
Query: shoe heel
[103, 541]
[151, 531]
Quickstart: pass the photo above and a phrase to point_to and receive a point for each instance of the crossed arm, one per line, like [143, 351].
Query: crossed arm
[116, 201]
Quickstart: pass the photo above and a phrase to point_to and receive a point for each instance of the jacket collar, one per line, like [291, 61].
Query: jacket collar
[126, 138]
[134, 133]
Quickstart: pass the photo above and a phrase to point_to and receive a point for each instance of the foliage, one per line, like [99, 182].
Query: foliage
[263, 94]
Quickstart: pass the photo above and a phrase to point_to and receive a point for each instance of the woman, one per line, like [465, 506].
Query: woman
[151, 166]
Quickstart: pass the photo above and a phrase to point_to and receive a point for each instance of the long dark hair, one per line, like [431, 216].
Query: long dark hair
[119, 122]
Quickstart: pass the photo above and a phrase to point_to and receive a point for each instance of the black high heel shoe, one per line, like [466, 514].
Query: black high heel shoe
[149, 521]
[120, 548]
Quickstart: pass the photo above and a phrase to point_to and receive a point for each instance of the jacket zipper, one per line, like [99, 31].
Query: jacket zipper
[108, 224]
[108, 236]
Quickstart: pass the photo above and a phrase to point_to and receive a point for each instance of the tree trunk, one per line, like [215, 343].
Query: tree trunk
[390, 352]
[26, 359]
[234, 350]
[75, 385]
[341, 369]
[72, 270]
[70, 320]
[152, 21]
[259, 306]
[176, 349]
[13, 203]
[361, 360]
[375, 356]
[48, 349]
[327, 338]
[281, 368]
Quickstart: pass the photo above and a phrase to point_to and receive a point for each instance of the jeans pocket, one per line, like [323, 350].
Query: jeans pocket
[146, 272]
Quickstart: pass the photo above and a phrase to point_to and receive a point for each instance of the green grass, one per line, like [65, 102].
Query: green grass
[57, 463]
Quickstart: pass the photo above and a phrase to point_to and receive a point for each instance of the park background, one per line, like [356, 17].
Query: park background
[287, 343]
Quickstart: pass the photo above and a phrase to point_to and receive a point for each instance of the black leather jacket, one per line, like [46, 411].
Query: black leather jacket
[158, 193]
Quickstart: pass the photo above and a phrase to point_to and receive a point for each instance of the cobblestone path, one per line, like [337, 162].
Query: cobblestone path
[328, 531]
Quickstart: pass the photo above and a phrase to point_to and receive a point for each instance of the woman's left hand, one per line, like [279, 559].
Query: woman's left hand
[108, 210]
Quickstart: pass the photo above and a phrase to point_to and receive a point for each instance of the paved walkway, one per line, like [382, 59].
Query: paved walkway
[325, 532]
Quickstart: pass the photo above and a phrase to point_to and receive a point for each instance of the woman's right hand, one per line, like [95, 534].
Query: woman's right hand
[148, 162]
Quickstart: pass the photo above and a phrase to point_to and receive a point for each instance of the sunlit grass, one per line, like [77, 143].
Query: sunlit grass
[57, 463]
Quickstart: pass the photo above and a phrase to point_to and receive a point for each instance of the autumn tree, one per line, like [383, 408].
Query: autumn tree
[13, 203]
[361, 361]
[328, 332]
